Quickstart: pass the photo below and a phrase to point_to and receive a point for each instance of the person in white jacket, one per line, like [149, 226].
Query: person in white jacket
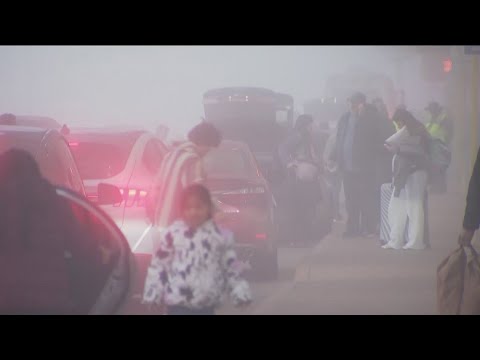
[410, 172]
[195, 262]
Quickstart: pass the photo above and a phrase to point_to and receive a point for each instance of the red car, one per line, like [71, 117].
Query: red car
[247, 204]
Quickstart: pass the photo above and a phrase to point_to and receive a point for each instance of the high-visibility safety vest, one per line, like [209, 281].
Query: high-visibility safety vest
[436, 128]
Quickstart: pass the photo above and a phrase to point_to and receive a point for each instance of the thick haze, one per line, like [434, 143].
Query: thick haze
[160, 84]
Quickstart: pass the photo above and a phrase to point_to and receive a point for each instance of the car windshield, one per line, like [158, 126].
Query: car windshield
[101, 157]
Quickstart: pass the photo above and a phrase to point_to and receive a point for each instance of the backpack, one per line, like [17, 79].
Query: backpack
[440, 155]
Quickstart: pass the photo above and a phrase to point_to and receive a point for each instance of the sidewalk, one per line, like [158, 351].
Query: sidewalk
[357, 276]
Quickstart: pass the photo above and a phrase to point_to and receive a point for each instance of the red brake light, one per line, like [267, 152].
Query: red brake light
[447, 65]
[261, 236]
[73, 144]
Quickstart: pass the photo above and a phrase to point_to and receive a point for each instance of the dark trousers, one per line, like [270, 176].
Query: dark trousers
[182, 310]
[302, 199]
[360, 198]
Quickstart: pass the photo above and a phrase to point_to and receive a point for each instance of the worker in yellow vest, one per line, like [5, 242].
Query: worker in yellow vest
[439, 125]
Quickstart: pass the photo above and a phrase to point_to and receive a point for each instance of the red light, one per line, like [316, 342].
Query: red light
[261, 236]
[73, 144]
[447, 65]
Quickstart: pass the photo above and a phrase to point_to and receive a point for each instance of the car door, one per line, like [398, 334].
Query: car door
[101, 268]
[72, 175]
[147, 166]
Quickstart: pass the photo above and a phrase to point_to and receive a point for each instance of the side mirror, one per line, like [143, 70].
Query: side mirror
[109, 194]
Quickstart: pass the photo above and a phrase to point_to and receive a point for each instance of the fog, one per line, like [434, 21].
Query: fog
[147, 85]
[339, 272]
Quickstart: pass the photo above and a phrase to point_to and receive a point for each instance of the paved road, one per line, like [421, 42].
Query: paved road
[356, 276]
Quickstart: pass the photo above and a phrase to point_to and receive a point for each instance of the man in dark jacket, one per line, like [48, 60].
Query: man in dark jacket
[471, 219]
[386, 128]
[357, 146]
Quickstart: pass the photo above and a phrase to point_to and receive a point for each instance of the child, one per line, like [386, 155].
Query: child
[194, 263]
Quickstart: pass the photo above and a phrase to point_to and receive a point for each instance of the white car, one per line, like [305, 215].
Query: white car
[127, 159]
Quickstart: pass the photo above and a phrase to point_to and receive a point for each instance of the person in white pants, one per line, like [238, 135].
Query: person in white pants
[408, 205]
[410, 181]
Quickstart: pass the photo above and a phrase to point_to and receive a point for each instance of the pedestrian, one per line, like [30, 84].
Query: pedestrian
[300, 144]
[50, 261]
[410, 171]
[471, 218]
[180, 167]
[332, 176]
[383, 169]
[357, 145]
[303, 191]
[440, 126]
[195, 262]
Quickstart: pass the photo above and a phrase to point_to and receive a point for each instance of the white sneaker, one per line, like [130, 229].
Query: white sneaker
[388, 246]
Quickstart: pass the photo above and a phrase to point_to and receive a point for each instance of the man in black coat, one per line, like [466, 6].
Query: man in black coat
[357, 147]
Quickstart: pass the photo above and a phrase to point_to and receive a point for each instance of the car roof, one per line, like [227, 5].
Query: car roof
[22, 137]
[32, 120]
[106, 131]
[16, 129]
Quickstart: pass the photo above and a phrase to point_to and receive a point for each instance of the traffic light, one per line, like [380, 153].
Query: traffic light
[436, 66]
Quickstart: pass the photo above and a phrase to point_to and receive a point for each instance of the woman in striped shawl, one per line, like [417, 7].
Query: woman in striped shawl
[180, 168]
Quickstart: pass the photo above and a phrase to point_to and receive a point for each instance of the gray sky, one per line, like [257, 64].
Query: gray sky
[154, 84]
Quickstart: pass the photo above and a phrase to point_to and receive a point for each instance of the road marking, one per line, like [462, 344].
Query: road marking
[141, 238]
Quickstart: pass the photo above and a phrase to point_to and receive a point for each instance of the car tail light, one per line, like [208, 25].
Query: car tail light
[134, 197]
[92, 197]
[225, 208]
[249, 190]
[261, 236]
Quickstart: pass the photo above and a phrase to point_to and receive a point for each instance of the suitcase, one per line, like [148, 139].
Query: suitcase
[386, 194]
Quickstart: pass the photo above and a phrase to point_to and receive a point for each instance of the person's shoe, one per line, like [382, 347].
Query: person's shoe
[388, 246]
[369, 235]
[414, 248]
